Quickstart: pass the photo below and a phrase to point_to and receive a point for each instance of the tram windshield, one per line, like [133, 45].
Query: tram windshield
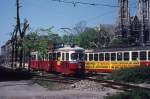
[77, 56]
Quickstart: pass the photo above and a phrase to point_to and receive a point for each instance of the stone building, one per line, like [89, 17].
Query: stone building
[6, 52]
[136, 27]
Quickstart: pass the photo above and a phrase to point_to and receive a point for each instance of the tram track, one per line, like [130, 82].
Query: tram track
[105, 83]
[118, 85]
[57, 79]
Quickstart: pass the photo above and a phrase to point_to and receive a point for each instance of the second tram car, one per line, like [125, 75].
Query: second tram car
[67, 60]
[107, 60]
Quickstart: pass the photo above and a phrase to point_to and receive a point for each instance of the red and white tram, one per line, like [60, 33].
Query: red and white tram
[67, 60]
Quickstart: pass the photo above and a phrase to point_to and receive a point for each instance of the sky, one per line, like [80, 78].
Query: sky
[47, 13]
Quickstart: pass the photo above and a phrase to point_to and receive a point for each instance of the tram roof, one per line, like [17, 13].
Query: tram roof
[69, 48]
[140, 48]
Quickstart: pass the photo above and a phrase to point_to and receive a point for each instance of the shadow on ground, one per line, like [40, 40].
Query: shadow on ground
[13, 75]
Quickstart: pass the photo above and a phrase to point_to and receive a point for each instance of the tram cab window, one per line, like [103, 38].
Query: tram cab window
[77, 56]
[107, 56]
[143, 55]
[126, 56]
[90, 57]
[67, 56]
[113, 56]
[101, 57]
[96, 57]
[119, 56]
[85, 57]
[134, 55]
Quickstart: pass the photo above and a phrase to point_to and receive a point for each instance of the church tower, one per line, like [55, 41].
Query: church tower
[144, 18]
[123, 22]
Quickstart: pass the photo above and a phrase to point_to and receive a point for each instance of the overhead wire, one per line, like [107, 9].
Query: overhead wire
[84, 3]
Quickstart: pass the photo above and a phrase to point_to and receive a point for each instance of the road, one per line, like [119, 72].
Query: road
[17, 85]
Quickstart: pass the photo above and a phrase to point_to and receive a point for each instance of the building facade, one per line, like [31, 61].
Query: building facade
[136, 27]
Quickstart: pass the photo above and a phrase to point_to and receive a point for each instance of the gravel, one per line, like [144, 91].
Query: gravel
[86, 85]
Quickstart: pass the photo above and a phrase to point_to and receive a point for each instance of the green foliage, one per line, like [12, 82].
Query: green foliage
[30, 41]
[52, 37]
[136, 74]
[36, 42]
[134, 94]
[122, 42]
[119, 42]
[87, 38]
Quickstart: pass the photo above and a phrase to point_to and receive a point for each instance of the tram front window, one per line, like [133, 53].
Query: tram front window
[77, 56]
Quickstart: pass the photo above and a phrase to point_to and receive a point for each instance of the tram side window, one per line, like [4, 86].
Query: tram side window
[96, 57]
[63, 56]
[113, 56]
[85, 57]
[126, 56]
[58, 56]
[67, 56]
[54, 56]
[50, 56]
[119, 56]
[143, 55]
[134, 55]
[101, 57]
[90, 57]
[40, 57]
[148, 55]
[107, 56]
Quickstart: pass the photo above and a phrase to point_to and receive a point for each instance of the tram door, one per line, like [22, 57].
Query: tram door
[52, 61]
[65, 62]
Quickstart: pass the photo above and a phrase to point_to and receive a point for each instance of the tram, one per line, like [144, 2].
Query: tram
[68, 60]
[107, 60]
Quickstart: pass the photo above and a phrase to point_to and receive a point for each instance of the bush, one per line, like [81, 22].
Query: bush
[140, 94]
[136, 74]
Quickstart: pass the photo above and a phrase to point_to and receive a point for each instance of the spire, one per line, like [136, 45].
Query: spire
[144, 18]
[123, 18]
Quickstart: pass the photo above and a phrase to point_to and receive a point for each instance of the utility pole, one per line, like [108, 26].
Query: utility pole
[18, 37]
[22, 33]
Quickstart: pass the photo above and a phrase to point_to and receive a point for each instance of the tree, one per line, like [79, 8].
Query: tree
[87, 38]
[53, 38]
[79, 27]
[119, 42]
[17, 38]
[94, 38]
[103, 36]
